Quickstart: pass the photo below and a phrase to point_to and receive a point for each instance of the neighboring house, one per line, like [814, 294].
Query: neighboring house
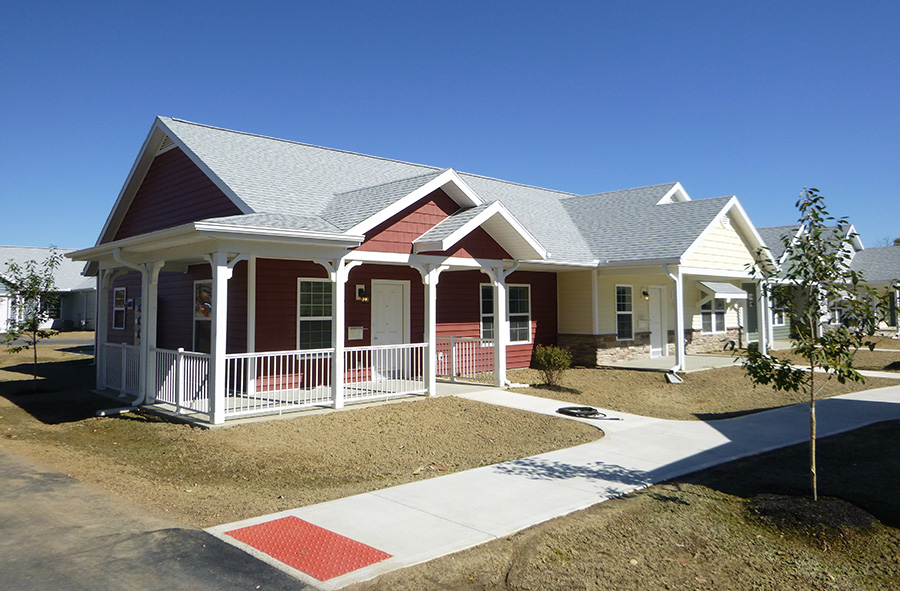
[293, 275]
[76, 307]
[880, 268]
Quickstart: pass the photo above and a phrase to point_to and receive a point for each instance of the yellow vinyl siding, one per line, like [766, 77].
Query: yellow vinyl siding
[575, 309]
[723, 249]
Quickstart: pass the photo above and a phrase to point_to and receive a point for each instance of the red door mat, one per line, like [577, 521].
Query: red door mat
[308, 548]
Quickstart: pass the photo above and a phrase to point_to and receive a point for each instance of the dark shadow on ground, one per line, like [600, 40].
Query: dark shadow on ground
[861, 467]
[63, 395]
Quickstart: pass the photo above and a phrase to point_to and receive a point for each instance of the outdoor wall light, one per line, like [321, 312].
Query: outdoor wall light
[362, 294]
[646, 296]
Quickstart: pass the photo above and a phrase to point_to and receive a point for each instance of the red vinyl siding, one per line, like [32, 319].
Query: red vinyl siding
[174, 191]
[459, 314]
[397, 233]
[360, 314]
[175, 328]
[276, 301]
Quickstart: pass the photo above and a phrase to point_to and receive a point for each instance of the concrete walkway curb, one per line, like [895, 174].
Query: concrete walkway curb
[421, 521]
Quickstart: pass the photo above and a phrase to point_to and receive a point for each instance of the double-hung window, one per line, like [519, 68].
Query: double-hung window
[624, 313]
[518, 302]
[119, 308]
[713, 315]
[779, 317]
[314, 314]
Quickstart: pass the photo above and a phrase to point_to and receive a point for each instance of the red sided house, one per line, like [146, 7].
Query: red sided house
[240, 274]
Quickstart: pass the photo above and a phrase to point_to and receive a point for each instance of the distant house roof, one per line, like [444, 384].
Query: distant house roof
[68, 275]
[881, 264]
[774, 236]
[294, 186]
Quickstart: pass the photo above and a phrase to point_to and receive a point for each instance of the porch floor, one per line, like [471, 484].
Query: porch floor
[692, 363]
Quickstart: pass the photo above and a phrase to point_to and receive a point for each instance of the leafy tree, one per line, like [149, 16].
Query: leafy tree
[896, 241]
[34, 292]
[817, 276]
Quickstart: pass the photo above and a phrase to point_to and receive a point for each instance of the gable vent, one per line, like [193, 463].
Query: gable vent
[167, 145]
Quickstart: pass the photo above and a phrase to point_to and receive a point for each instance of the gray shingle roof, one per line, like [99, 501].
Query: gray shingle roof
[347, 209]
[772, 236]
[628, 225]
[278, 221]
[878, 264]
[453, 223]
[68, 274]
[299, 186]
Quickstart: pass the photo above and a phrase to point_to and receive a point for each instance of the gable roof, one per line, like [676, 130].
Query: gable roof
[68, 275]
[878, 264]
[293, 186]
[773, 236]
[630, 226]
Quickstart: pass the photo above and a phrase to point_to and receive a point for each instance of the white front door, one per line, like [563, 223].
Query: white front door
[390, 325]
[389, 311]
[657, 323]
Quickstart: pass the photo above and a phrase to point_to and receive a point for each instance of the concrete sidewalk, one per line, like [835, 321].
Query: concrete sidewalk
[417, 522]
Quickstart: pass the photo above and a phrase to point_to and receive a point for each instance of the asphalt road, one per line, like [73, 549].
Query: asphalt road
[59, 534]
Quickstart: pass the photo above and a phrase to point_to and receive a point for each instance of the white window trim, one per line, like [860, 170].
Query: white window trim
[629, 312]
[482, 315]
[194, 318]
[123, 307]
[712, 312]
[775, 314]
[300, 280]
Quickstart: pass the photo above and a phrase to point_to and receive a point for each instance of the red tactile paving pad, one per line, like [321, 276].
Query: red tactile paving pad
[308, 548]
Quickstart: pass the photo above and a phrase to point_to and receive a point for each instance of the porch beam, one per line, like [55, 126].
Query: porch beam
[221, 273]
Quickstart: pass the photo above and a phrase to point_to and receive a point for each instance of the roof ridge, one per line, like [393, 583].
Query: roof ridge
[527, 186]
[670, 184]
[296, 143]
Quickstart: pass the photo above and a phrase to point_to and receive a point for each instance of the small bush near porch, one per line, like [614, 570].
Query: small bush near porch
[208, 477]
[705, 395]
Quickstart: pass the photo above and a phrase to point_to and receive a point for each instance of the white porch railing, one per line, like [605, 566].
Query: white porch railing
[385, 371]
[279, 381]
[465, 358]
[121, 368]
[182, 379]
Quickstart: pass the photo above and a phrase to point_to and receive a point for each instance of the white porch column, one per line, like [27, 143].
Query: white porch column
[149, 315]
[595, 308]
[678, 278]
[338, 272]
[101, 326]
[430, 277]
[897, 310]
[762, 309]
[221, 273]
[501, 326]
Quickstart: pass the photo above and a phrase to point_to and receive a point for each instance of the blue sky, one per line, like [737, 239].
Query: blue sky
[753, 99]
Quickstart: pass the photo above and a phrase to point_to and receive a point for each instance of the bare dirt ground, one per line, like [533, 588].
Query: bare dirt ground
[740, 526]
[745, 525]
[704, 395]
[886, 343]
[207, 477]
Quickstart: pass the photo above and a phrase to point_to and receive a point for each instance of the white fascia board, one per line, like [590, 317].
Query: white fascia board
[494, 209]
[222, 185]
[201, 230]
[135, 176]
[448, 180]
[709, 272]
[395, 258]
[676, 189]
[745, 228]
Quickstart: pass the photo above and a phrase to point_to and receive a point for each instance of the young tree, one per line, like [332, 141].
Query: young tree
[817, 277]
[34, 293]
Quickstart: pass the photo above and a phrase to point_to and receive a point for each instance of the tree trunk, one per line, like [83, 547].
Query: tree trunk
[812, 433]
[34, 366]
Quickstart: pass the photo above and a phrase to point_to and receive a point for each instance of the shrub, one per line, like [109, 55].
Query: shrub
[552, 362]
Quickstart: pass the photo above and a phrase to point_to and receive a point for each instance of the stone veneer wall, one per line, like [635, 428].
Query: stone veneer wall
[593, 349]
